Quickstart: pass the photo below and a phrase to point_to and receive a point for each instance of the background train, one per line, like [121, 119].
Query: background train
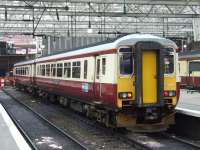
[189, 68]
[128, 82]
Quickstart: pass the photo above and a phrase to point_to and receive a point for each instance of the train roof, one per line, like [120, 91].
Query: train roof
[131, 39]
[189, 54]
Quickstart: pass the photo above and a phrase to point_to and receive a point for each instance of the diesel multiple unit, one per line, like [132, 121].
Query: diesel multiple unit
[128, 82]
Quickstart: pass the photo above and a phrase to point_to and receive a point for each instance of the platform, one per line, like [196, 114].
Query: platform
[189, 103]
[10, 137]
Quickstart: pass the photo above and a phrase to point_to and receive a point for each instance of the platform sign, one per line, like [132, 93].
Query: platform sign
[196, 29]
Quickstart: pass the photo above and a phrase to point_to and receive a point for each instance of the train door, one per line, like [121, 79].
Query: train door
[149, 77]
[98, 77]
[33, 73]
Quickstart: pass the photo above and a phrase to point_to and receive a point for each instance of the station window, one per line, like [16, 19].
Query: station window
[85, 68]
[53, 70]
[169, 61]
[67, 70]
[76, 69]
[59, 70]
[103, 66]
[126, 61]
[98, 68]
[48, 70]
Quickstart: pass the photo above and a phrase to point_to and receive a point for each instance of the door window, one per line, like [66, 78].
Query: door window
[98, 68]
[103, 66]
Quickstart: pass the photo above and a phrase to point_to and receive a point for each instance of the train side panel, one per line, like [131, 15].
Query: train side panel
[102, 91]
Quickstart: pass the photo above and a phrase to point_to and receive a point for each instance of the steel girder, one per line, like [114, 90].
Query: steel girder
[167, 17]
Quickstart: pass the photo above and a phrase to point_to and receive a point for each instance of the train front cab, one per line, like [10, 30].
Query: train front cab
[146, 86]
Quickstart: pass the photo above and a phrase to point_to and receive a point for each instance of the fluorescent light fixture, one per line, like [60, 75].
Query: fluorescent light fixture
[90, 30]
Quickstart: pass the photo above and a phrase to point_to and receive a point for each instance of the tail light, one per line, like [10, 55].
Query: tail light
[169, 93]
[125, 95]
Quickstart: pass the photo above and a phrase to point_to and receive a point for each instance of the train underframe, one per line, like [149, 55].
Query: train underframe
[144, 119]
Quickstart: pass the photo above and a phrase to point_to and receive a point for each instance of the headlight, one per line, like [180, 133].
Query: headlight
[125, 95]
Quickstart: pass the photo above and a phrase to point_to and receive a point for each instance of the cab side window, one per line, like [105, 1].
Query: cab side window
[126, 62]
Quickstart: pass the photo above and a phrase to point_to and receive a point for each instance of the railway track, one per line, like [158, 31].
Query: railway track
[33, 146]
[21, 130]
[192, 144]
[133, 139]
[163, 141]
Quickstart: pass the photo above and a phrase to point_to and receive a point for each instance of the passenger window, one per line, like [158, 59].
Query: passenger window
[76, 69]
[59, 70]
[22, 71]
[126, 61]
[48, 70]
[98, 68]
[85, 69]
[53, 70]
[38, 70]
[26, 71]
[103, 66]
[43, 70]
[67, 70]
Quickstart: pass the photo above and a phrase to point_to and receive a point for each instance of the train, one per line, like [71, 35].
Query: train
[189, 68]
[128, 82]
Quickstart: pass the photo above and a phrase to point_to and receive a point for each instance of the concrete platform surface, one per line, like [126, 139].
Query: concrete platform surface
[189, 103]
[10, 137]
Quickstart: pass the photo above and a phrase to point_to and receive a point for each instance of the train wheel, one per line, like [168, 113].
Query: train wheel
[61, 100]
[52, 98]
[66, 102]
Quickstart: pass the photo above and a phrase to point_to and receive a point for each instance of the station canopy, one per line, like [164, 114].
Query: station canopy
[171, 18]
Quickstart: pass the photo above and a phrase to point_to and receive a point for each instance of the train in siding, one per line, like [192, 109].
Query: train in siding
[189, 68]
[129, 82]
